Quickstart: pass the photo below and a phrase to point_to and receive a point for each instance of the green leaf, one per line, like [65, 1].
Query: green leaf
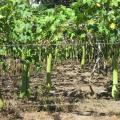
[1, 16]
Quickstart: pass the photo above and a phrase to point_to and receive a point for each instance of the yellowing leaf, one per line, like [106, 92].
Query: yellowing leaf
[112, 25]
[91, 22]
[98, 5]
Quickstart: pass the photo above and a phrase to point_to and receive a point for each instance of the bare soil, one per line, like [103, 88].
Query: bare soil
[74, 95]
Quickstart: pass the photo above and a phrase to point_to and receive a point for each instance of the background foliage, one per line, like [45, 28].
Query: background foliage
[25, 30]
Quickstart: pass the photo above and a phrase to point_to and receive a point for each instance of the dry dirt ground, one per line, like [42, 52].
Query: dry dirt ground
[65, 116]
[75, 96]
[60, 116]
